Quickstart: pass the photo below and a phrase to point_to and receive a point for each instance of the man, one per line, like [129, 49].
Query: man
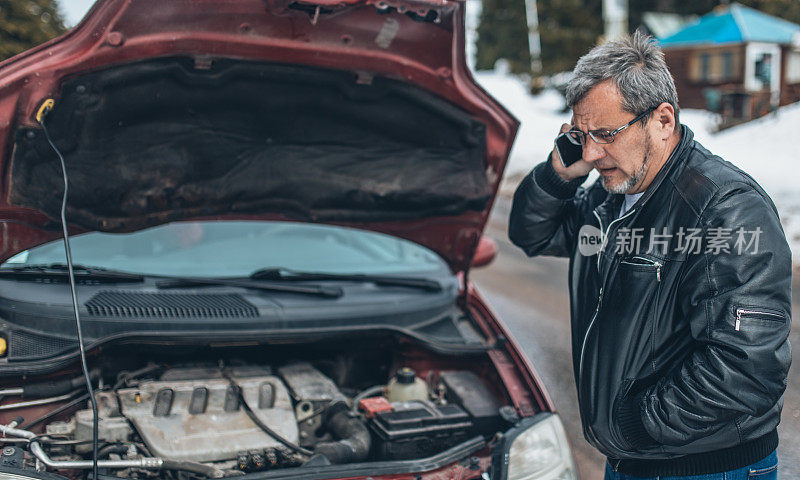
[680, 278]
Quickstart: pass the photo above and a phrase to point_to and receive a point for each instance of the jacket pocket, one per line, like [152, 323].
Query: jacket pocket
[744, 314]
[643, 264]
[616, 432]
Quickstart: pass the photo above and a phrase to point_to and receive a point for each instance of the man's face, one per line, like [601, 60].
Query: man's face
[623, 165]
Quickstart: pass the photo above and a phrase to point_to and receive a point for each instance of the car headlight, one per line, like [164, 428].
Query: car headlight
[539, 450]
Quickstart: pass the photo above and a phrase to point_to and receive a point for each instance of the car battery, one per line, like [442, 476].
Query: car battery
[465, 388]
[419, 429]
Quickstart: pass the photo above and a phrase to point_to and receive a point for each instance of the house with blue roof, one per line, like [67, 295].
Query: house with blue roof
[737, 61]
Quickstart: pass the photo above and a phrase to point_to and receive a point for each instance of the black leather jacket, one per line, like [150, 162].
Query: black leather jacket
[675, 352]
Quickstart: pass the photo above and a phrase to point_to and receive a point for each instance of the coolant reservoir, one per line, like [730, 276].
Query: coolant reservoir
[406, 386]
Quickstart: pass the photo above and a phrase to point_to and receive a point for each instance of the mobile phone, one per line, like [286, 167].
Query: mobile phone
[568, 151]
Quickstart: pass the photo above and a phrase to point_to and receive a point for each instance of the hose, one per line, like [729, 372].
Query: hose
[52, 388]
[53, 413]
[150, 463]
[124, 377]
[194, 467]
[40, 401]
[355, 440]
[114, 448]
[16, 432]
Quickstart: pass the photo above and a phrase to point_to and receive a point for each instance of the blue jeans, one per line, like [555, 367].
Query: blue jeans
[764, 469]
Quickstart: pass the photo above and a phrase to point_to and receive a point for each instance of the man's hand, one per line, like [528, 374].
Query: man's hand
[576, 170]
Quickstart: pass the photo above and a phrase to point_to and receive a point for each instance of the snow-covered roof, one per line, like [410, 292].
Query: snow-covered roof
[734, 24]
[664, 24]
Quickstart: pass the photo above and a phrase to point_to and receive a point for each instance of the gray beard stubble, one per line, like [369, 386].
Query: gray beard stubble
[632, 180]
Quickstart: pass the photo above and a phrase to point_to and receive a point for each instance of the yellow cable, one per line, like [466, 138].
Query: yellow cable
[46, 107]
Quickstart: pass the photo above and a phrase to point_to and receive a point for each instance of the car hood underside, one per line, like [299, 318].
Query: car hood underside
[355, 114]
[161, 140]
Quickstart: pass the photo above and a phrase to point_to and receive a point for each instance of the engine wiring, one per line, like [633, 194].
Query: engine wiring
[235, 386]
[44, 110]
[41, 401]
[53, 413]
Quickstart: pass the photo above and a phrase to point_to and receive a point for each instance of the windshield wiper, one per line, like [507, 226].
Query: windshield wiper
[59, 272]
[287, 275]
[316, 290]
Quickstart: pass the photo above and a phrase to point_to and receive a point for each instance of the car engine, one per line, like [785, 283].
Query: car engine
[212, 421]
[193, 414]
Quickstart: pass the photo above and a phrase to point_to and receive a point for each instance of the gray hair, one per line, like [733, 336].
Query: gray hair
[635, 64]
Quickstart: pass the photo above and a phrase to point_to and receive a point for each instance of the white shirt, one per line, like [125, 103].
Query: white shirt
[628, 202]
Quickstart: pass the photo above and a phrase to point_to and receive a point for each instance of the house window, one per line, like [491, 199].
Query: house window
[793, 68]
[764, 69]
[727, 65]
[705, 66]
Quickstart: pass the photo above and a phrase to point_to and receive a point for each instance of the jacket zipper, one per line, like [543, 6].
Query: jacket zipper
[604, 233]
[602, 238]
[599, 300]
[602, 284]
[648, 261]
[744, 311]
[583, 347]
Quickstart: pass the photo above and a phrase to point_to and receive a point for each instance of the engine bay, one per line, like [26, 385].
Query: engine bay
[177, 414]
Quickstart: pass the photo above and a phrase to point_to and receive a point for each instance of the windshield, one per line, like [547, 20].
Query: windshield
[237, 248]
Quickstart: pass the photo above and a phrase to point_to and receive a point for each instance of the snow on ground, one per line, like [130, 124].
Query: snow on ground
[766, 148]
[540, 119]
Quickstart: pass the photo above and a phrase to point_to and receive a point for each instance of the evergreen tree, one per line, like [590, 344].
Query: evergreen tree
[27, 23]
[568, 28]
[503, 33]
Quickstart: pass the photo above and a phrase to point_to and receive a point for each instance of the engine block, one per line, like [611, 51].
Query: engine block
[203, 420]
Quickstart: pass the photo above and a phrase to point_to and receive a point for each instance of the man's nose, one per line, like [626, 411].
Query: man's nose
[592, 151]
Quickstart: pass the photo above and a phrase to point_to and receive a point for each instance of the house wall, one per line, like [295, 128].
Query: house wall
[754, 52]
[790, 80]
[701, 67]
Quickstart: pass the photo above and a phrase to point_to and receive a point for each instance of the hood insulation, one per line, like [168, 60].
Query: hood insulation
[174, 138]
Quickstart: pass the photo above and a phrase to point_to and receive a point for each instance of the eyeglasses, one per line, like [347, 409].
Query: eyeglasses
[578, 137]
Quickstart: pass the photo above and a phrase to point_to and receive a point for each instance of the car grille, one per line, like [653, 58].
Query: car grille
[169, 305]
[29, 346]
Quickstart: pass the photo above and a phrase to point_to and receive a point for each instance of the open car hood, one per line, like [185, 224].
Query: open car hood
[356, 112]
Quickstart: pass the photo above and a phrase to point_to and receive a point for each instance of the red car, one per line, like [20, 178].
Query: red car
[273, 206]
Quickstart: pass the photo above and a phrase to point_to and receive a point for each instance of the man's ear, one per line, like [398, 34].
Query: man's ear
[663, 120]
